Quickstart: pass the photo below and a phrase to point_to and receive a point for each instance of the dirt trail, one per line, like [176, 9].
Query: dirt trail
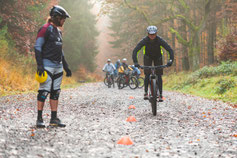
[185, 126]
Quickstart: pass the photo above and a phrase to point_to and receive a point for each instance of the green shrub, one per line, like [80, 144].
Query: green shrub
[225, 68]
[224, 84]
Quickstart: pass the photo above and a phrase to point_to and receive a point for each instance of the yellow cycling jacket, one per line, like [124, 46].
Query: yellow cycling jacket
[121, 69]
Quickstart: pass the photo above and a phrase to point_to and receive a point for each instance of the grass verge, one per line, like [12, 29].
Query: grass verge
[218, 83]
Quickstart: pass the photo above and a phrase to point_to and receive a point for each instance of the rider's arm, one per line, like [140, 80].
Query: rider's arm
[104, 67]
[113, 66]
[40, 40]
[65, 64]
[167, 47]
[137, 50]
[130, 68]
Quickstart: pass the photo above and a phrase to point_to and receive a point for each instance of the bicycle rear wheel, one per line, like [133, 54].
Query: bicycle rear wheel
[109, 81]
[140, 81]
[153, 99]
[133, 83]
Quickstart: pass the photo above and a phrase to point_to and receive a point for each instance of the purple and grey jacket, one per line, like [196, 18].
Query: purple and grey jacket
[48, 46]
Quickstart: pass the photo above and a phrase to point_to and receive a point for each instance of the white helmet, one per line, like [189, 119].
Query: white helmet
[124, 59]
[108, 60]
[151, 29]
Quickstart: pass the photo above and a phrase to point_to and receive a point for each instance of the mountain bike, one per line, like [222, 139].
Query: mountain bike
[127, 79]
[140, 80]
[108, 80]
[153, 86]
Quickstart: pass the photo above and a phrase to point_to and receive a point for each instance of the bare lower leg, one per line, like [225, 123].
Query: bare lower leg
[53, 104]
[40, 105]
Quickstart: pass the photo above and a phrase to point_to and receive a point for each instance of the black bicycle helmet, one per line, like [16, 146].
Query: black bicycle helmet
[59, 11]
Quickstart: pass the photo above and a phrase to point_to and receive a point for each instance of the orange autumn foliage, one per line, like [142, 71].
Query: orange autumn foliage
[23, 19]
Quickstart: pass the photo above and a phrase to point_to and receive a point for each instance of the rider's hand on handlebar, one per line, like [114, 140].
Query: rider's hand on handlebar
[136, 65]
[170, 62]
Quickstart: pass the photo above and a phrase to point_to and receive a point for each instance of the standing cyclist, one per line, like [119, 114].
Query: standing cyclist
[152, 50]
[50, 58]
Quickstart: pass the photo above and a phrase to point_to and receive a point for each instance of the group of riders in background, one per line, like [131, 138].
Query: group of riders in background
[122, 74]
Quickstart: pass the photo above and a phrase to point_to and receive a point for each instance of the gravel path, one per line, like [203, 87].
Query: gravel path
[185, 126]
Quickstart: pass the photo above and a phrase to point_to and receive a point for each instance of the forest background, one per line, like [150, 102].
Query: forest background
[202, 32]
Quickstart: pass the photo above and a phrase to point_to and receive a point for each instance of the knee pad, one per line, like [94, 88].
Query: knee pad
[54, 94]
[42, 95]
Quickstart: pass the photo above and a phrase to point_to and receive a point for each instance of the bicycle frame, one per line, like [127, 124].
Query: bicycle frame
[153, 68]
[110, 79]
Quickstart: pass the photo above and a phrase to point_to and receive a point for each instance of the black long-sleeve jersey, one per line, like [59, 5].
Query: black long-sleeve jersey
[152, 48]
[48, 44]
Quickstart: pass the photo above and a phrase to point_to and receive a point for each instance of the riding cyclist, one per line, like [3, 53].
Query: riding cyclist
[152, 46]
[123, 70]
[117, 65]
[50, 58]
[135, 71]
[109, 68]
[124, 67]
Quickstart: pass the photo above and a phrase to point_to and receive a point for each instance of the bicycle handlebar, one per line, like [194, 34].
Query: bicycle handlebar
[154, 67]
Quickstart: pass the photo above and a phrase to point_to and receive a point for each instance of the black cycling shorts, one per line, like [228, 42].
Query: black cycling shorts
[156, 61]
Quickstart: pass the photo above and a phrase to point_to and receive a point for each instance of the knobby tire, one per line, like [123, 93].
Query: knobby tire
[133, 84]
[153, 89]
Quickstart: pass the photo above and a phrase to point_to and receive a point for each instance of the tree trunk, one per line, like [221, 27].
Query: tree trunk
[211, 35]
[185, 57]
[176, 62]
[196, 52]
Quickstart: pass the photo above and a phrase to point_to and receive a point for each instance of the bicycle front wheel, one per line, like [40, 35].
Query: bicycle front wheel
[133, 83]
[140, 81]
[153, 89]
[120, 82]
[106, 81]
[109, 81]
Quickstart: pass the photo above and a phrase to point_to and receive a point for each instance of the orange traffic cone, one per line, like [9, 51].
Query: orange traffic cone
[125, 141]
[131, 119]
[131, 97]
[131, 107]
